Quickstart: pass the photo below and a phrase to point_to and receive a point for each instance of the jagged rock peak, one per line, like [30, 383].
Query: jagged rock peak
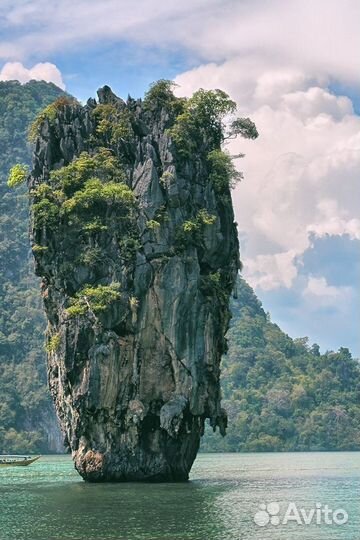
[137, 248]
[107, 96]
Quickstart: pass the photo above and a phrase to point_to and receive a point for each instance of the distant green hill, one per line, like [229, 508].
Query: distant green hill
[27, 421]
[280, 393]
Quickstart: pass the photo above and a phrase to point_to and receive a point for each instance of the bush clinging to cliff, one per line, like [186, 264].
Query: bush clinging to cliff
[94, 299]
[17, 175]
[49, 113]
[222, 171]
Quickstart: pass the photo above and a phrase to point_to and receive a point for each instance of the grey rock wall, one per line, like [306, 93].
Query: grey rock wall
[133, 386]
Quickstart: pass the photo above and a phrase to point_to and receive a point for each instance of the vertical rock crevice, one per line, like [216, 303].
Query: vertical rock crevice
[138, 254]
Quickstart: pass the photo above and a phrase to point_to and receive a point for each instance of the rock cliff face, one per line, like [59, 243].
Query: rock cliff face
[138, 255]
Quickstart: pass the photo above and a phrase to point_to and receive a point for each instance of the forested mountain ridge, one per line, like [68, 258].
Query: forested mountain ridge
[27, 421]
[280, 393]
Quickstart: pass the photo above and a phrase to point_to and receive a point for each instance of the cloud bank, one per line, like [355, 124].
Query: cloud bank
[321, 36]
[43, 71]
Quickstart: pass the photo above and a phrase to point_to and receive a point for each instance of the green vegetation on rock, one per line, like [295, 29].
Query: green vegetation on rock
[192, 231]
[203, 120]
[223, 172]
[96, 193]
[87, 182]
[17, 175]
[202, 124]
[113, 124]
[79, 196]
[102, 165]
[202, 218]
[94, 299]
[49, 114]
[160, 95]
[53, 343]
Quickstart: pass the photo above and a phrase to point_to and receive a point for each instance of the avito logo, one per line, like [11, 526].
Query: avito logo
[270, 514]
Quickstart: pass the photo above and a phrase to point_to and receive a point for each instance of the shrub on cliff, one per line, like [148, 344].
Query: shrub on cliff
[49, 114]
[192, 230]
[89, 183]
[17, 175]
[113, 124]
[160, 94]
[93, 299]
[222, 171]
[95, 195]
[203, 123]
[103, 165]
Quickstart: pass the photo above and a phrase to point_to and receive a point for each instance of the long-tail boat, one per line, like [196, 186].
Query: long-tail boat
[17, 461]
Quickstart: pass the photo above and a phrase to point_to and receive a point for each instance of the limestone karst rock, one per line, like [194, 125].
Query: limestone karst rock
[138, 252]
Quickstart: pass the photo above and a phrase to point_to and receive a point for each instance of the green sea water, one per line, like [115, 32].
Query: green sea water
[48, 500]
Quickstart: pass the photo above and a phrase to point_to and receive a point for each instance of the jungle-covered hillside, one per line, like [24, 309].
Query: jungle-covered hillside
[281, 394]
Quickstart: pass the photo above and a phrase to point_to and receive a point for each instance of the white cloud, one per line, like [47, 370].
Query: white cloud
[272, 84]
[43, 27]
[333, 221]
[328, 314]
[272, 271]
[43, 71]
[320, 294]
[319, 287]
[314, 101]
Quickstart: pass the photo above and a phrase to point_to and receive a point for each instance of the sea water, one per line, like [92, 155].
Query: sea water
[229, 497]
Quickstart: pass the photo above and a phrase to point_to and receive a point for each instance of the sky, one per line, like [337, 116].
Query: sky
[293, 67]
